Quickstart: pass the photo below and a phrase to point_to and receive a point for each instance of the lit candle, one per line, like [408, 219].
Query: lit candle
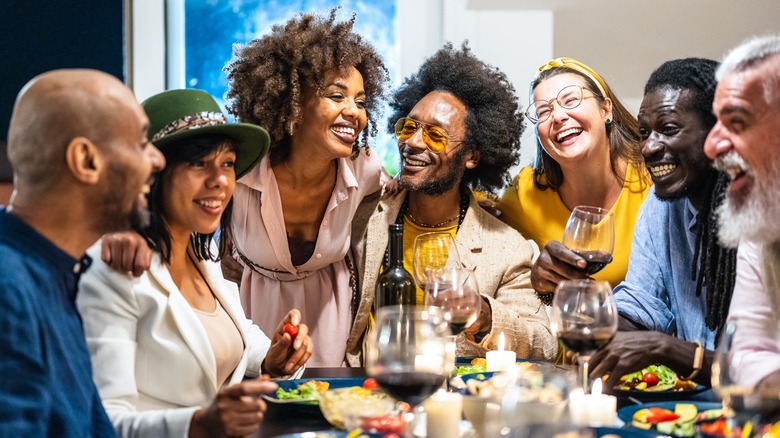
[500, 360]
[443, 413]
[594, 409]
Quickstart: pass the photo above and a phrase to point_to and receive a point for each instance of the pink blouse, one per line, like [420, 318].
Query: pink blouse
[320, 288]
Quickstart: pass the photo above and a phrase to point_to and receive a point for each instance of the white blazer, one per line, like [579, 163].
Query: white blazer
[152, 359]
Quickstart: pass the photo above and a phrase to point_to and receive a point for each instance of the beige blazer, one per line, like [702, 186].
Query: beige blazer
[502, 258]
[152, 359]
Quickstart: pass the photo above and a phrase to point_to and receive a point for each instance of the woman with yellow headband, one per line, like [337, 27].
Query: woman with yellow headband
[587, 154]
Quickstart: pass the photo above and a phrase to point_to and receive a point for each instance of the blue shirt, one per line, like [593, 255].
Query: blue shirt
[658, 291]
[46, 386]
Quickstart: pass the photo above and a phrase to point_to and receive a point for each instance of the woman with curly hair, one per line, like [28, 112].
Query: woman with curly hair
[587, 154]
[315, 85]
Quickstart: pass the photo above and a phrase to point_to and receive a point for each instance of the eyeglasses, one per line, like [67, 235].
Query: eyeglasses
[569, 97]
[434, 137]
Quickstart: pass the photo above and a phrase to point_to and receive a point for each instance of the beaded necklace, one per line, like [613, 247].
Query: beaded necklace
[464, 206]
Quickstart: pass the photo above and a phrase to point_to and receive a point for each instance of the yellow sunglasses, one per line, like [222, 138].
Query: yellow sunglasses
[435, 138]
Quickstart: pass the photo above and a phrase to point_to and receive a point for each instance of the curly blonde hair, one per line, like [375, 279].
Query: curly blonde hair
[268, 75]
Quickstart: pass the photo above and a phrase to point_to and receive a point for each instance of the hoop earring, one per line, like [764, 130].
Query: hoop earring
[291, 127]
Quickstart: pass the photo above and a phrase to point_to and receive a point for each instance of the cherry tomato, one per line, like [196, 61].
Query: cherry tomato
[291, 330]
[650, 378]
[370, 383]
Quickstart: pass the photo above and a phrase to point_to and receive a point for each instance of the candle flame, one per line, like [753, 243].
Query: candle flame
[501, 342]
[596, 390]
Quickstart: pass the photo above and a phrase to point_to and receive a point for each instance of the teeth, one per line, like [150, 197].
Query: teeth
[568, 132]
[343, 130]
[664, 169]
[414, 162]
[732, 164]
[210, 204]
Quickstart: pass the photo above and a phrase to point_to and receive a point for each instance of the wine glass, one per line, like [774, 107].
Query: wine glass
[584, 317]
[406, 354]
[433, 251]
[590, 233]
[456, 293]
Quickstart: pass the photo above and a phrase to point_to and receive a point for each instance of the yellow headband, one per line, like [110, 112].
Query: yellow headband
[573, 64]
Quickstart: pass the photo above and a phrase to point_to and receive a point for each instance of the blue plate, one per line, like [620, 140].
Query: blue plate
[310, 406]
[627, 432]
[325, 434]
[627, 413]
[650, 396]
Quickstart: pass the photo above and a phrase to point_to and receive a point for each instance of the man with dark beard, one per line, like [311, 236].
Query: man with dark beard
[674, 300]
[458, 126]
[745, 144]
[81, 162]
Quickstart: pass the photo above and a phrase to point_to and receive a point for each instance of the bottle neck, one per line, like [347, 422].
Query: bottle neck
[396, 248]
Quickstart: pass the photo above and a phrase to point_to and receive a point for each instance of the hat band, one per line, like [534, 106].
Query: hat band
[192, 121]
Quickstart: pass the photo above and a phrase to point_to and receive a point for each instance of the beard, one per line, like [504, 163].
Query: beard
[114, 215]
[754, 215]
[444, 184]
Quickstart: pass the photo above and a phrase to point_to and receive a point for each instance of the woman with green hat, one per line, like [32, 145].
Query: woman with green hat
[171, 348]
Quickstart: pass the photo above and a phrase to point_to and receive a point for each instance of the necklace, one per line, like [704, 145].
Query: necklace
[464, 206]
[424, 225]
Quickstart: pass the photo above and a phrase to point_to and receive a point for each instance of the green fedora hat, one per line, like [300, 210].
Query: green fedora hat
[180, 114]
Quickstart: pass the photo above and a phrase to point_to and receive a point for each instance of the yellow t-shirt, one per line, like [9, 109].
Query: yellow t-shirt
[411, 231]
[541, 216]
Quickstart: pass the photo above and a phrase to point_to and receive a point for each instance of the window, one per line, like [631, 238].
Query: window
[201, 34]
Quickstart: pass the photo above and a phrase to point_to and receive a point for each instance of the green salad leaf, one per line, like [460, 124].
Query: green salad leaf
[306, 391]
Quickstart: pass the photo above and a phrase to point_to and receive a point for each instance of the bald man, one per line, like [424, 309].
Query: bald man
[82, 164]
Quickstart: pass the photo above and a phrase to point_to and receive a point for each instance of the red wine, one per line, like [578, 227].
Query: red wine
[596, 260]
[457, 327]
[395, 285]
[411, 387]
[586, 343]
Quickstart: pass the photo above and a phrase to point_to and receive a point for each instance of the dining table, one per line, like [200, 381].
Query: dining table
[279, 420]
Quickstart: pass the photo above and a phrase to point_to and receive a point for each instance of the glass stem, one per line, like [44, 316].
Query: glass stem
[584, 360]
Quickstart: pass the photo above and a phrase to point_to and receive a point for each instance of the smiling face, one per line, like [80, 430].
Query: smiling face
[196, 194]
[573, 134]
[426, 171]
[744, 143]
[672, 138]
[332, 121]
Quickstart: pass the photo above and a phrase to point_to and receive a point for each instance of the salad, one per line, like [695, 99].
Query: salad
[310, 390]
[654, 378]
[679, 423]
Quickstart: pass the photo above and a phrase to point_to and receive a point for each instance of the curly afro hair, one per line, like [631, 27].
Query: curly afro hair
[494, 122]
[268, 75]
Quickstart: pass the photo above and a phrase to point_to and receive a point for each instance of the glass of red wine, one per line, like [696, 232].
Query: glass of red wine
[406, 354]
[456, 293]
[590, 233]
[584, 317]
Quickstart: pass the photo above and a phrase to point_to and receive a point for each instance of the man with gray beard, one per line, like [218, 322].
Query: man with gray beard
[744, 143]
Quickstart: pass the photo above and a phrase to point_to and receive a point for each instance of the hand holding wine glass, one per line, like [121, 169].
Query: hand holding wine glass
[456, 293]
[590, 233]
[433, 251]
[585, 318]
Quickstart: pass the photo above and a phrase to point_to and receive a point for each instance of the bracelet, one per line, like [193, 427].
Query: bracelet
[698, 358]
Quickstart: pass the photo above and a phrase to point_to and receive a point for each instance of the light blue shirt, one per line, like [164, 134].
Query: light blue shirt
[658, 291]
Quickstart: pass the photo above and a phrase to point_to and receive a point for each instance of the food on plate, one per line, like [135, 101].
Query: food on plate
[654, 378]
[348, 407]
[370, 383]
[479, 365]
[309, 391]
[679, 423]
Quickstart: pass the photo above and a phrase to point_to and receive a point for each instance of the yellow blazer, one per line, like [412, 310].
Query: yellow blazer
[152, 359]
[503, 261]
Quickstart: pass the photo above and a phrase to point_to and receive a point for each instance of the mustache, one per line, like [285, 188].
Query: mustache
[731, 163]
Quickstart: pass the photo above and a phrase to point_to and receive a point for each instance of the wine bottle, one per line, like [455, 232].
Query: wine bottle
[395, 284]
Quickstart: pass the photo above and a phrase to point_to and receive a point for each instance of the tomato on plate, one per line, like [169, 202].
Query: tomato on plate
[384, 424]
[659, 415]
[370, 383]
[650, 378]
[291, 330]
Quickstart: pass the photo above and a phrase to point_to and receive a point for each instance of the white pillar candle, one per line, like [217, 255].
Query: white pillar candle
[500, 360]
[443, 412]
[595, 409]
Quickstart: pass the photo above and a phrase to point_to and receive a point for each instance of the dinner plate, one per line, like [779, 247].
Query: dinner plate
[327, 434]
[627, 413]
[627, 432]
[310, 406]
[650, 396]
